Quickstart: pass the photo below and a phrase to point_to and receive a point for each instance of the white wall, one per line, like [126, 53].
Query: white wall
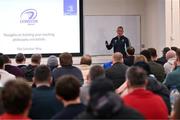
[152, 22]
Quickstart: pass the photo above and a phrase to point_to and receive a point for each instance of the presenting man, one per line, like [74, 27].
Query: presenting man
[119, 43]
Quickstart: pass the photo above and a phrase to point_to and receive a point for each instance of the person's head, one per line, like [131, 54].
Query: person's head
[130, 51]
[117, 58]
[95, 72]
[170, 54]
[36, 59]
[140, 58]
[20, 58]
[1, 62]
[16, 97]
[86, 60]
[6, 59]
[42, 74]
[174, 48]
[147, 54]
[165, 50]
[153, 53]
[145, 66]
[136, 77]
[52, 62]
[65, 59]
[178, 55]
[67, 88]
[120, 31]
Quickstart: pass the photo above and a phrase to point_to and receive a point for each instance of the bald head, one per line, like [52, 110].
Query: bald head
[170, 54]
[117, 57]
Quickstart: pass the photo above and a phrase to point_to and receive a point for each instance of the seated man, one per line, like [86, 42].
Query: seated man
[67, 68]
[129, 60]
[4, 75]
[84, 66]
[151, 106]
[171, 58]
[117, 72]
[35, 61]
[20, 61]
[16, 98]
[162, 60]
[173, 78]
[11, 68]
[94, 73]
[44, 102]
[67, 91]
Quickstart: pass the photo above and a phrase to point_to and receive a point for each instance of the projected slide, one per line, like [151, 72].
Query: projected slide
[39, 26]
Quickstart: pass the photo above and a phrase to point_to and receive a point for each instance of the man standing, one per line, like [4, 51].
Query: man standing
[119, 43]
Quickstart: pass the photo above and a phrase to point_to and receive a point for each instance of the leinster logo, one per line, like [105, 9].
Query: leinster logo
[28, 17]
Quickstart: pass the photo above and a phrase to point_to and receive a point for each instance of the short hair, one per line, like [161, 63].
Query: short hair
[20, 57]
[140, 58]
[118, 57]
[145, 66]
[1, 62]
[16, 96]
[86, 59]
[6, 59]
[178, 54]
[96, 71]
[165, 50]
[136, 76]
[68, 87]
[120, 27]
[36, 58]
[153, 52]
[42, 73]
[65, 59]
[130, 50]
[147, 54]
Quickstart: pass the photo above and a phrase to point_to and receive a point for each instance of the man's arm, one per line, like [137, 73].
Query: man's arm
[128, 44]
[109, 46]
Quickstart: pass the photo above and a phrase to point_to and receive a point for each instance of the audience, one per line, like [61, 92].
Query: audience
[11, 68]
[171, 58]
[94, 73]
[151, 106]
[16, 98]
[85, 64]
[117, 72]
[129, 60]
[105, 104]
[162, 60]
[67, 68]
[156, 69]
[173, 78]
[52, 62]
[44, 102]
[4, 75]
[67, 91]
[35, 62]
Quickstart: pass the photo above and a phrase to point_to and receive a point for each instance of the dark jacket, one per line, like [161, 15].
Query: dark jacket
[157, 70]
[67, 70]
[129, 60]
[29, 72]
[117, 74]
[44, 103]
[14, 70]
[160, 89]
[119, 44]
[70, 112]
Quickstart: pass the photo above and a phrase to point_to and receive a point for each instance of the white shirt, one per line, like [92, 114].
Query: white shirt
[5, 77]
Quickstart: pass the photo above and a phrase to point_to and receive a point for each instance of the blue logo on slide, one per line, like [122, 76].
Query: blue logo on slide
[29, 16]
[70, 7]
